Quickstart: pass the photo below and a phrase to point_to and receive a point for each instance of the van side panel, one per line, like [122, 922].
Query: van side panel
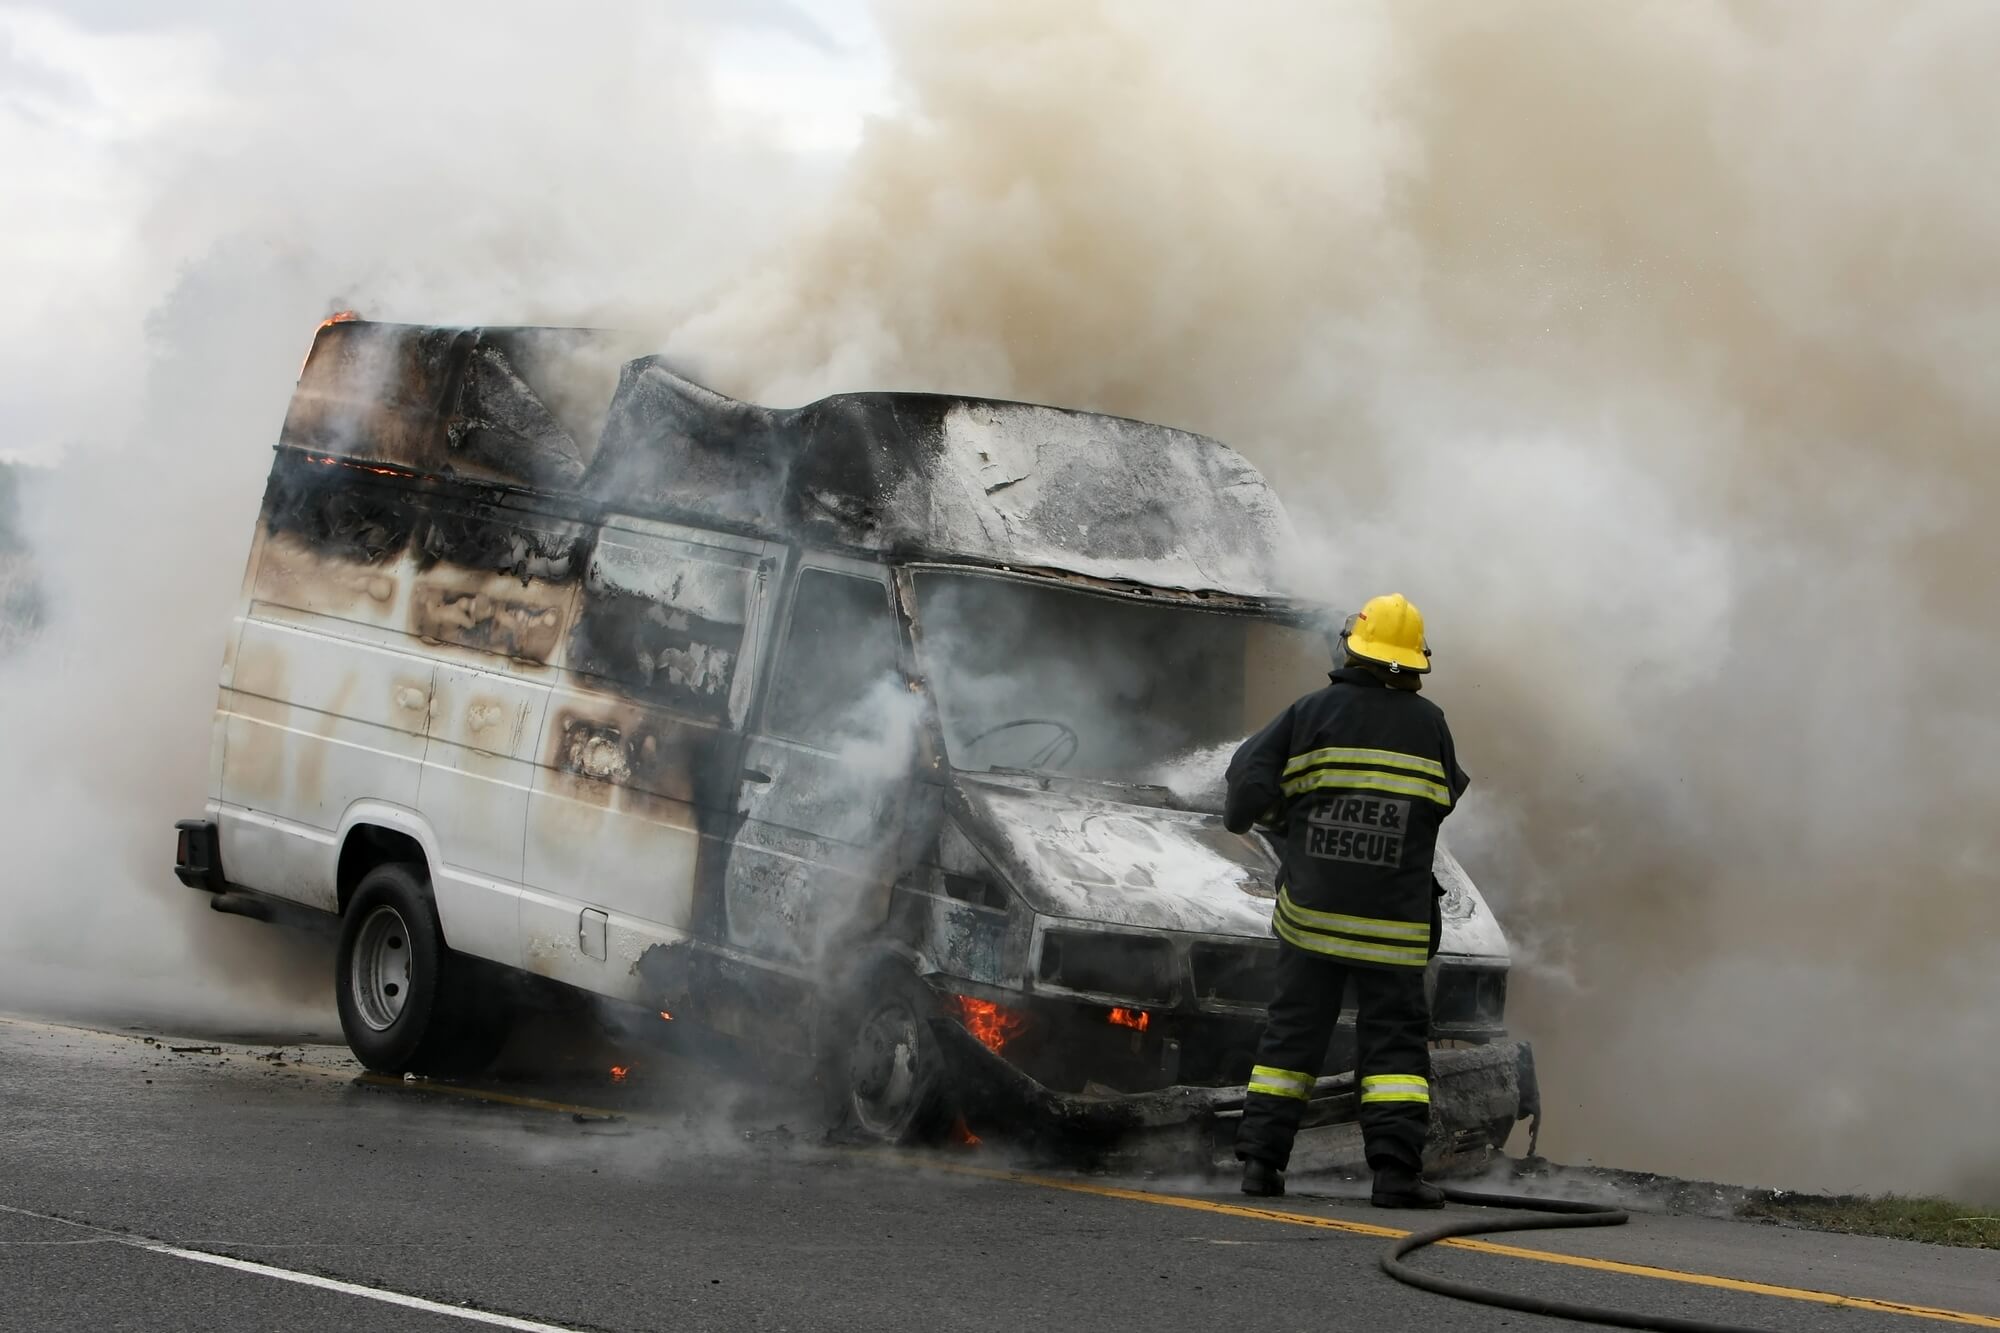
[637, 773]
[494, 586]
[316, 721]
[323, 705]
[387, 655]
[556, 705]
[477, 773]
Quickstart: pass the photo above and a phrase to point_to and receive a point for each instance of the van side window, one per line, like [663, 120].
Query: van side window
[839, 650]
[665, 619]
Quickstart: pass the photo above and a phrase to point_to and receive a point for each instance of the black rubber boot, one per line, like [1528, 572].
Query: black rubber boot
[1400, 1187]
[1262, 1179]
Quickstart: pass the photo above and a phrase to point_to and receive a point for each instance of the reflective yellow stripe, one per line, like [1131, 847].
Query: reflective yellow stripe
[1281, 1082]
[1334, 946]
[1367, 779]
[1353, 925]
[1396, 1088]
[1341, 754]
[1298, 1076]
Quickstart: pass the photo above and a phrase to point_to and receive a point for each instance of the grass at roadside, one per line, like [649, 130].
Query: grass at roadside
[1938, 1221]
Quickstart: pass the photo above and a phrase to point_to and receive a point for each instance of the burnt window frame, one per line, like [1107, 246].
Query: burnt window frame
[463, 531]
[762, 563]
[873, 575]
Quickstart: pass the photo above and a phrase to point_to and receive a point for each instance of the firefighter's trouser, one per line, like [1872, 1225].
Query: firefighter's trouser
[1393, 1060]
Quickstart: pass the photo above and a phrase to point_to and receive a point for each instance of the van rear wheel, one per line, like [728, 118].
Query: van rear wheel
[407, 1003]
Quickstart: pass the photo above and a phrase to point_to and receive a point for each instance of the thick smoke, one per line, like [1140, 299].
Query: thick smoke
[208, 184]
[1643, 345]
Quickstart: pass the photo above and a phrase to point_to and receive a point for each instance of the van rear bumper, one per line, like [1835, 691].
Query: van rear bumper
[198, 864]
[198, 855]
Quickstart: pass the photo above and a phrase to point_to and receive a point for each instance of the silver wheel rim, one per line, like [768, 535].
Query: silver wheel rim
[883, 1080]
[379, 976]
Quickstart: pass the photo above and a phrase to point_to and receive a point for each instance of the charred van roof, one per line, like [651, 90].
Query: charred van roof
[565, 412]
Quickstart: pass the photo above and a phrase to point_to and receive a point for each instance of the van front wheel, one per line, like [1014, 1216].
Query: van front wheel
[889, 1073]
[407, 1003]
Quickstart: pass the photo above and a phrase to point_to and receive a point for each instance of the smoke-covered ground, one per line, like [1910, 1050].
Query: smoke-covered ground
[1643, 345]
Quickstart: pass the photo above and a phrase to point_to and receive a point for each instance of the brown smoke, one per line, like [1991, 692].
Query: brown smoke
[1642, 344]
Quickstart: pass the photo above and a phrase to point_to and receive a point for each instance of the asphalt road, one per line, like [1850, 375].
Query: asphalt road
[235, 1188]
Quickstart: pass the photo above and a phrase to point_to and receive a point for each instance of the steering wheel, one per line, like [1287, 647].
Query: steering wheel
[1065, 743]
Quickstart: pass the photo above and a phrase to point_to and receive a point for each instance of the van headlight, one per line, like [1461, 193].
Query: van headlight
[1102, 962]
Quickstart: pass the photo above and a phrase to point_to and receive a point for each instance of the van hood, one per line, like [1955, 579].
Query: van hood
[1118, 862]
[1108, 854]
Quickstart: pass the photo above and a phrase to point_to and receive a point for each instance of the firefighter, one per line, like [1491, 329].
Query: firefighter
[1355, 779]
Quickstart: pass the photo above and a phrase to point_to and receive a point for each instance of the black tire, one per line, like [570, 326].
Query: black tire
[883, 1066]
[480, 1018]
[407, 1003]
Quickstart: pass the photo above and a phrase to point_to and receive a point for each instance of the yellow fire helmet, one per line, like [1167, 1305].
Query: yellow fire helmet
[1389, 631]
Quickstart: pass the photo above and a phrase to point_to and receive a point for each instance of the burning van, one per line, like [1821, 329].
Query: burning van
[886, 733]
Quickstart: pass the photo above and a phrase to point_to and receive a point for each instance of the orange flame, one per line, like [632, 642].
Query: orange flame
[618, 1073]
[328, 461]
[961, 1133]
[664, 1014]
[337, 317]
[993, 1025]
[1136, 1019]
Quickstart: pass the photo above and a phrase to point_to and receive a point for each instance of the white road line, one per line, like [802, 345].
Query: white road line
[353, 1289]
[107, 1236]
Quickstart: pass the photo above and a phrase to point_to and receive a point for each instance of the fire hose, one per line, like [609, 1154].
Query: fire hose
[1541, 1215]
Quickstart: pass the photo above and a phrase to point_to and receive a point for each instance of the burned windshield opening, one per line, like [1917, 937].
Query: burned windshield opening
[1037, 675]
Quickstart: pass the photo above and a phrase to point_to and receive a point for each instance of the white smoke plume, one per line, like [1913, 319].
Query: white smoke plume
[1643, 345]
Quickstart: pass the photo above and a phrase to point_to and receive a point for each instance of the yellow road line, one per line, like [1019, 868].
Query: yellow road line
[1482, 1246]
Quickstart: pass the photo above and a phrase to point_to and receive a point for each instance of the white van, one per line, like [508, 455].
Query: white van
[886, 732]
